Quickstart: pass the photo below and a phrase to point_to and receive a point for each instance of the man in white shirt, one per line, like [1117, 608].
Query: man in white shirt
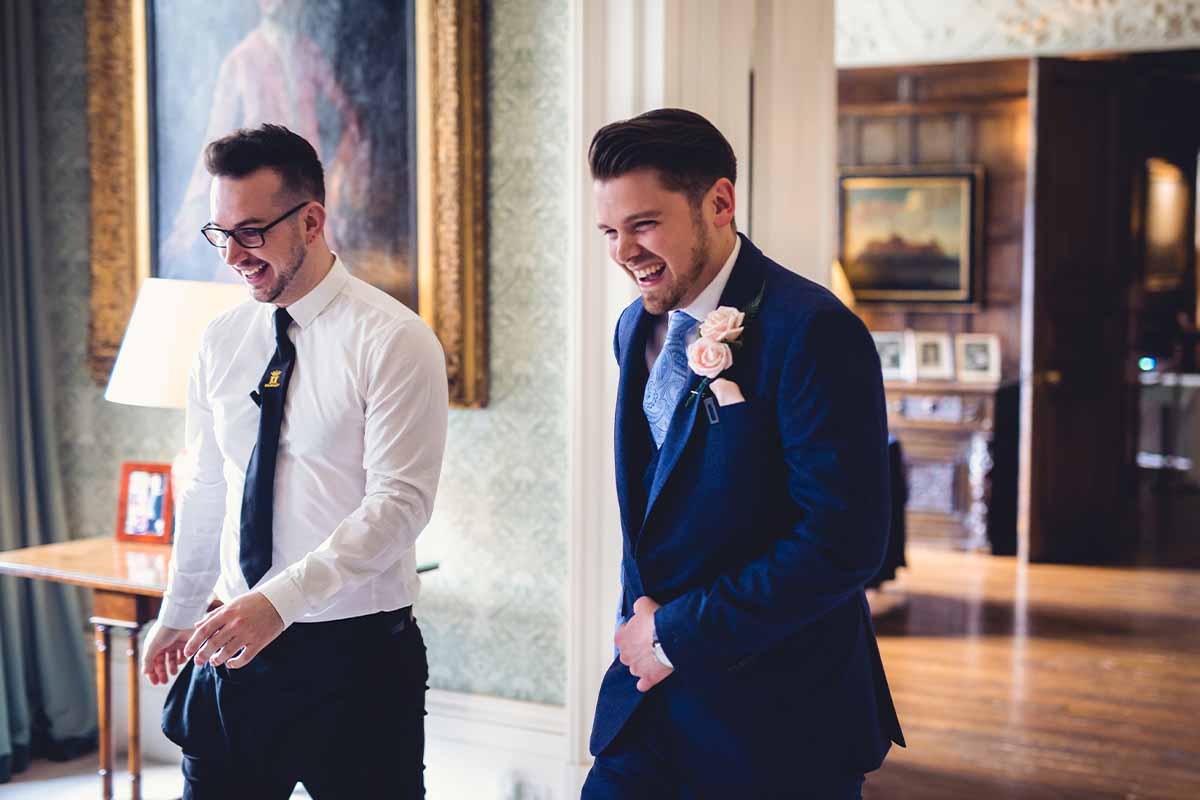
[316, 424]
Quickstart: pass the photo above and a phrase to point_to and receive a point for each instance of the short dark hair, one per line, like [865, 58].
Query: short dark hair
[687, 150]
[249, 149]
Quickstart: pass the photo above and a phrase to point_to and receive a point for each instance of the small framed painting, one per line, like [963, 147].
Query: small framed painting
[895, 350]
[934, 356]
[911, 235]
[145, 511]
[978, 356]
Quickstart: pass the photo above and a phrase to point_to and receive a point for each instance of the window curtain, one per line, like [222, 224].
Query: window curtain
[47, 701]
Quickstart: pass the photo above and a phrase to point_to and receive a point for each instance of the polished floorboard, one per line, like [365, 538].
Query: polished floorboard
[1040, 681]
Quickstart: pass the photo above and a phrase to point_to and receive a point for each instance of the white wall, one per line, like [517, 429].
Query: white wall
[795, 135]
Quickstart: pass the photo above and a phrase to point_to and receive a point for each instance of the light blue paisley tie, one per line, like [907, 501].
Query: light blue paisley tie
[669, 377]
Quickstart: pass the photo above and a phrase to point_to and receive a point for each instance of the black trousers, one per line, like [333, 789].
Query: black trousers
[338, 706]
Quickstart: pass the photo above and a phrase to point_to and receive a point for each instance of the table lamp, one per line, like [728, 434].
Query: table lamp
[161, 340]
[839, 284]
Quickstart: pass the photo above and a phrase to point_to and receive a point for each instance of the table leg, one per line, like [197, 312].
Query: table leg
[135, 716]
[104, 706]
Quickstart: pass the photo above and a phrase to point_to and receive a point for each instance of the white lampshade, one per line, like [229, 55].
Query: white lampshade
[162, 338]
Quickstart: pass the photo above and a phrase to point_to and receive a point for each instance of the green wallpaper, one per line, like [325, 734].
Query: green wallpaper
[494, 615]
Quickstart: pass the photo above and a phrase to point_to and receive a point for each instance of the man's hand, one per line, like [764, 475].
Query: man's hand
[635, 641]
[163, 652]
[248, 625]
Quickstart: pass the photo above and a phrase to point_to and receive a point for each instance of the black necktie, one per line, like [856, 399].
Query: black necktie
[258, 497]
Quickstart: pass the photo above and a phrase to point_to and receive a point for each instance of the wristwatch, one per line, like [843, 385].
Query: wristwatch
[657, 647]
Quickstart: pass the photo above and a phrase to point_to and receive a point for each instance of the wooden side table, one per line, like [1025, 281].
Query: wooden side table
[960, 455]
[127, 580]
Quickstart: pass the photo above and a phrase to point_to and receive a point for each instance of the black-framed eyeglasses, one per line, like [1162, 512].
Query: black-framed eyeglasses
[249, 238]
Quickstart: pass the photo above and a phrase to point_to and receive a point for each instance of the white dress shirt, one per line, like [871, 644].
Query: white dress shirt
[360, 454]
[700, 308]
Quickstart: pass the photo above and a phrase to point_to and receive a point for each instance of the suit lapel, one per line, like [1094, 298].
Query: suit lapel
[679, 431]
[745, 281]
[632, 447]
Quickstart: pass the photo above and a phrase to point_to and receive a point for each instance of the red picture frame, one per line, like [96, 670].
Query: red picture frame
[146, 506]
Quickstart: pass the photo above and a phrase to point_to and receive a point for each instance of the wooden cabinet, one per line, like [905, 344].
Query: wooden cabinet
[959, 443]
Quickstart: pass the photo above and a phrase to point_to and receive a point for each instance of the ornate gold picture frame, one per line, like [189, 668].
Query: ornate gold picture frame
[450, 122]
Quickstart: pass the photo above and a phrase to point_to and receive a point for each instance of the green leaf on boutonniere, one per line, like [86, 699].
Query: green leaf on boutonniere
[697, 392]
[752, 309]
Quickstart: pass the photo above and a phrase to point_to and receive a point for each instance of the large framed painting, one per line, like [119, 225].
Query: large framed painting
[390, 92]
[912, 235]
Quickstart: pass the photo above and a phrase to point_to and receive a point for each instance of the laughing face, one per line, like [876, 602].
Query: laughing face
[661, 241]
[254, 201]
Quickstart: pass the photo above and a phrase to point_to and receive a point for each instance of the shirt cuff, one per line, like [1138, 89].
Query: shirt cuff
[659, 652]
[284, 592]
[181, 616]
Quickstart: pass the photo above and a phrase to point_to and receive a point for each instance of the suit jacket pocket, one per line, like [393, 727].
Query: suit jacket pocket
[737, 441]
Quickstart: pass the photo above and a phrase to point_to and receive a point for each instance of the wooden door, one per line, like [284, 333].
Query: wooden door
[1077, 481]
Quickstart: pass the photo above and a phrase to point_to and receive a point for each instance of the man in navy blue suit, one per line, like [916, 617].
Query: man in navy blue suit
[752, 473]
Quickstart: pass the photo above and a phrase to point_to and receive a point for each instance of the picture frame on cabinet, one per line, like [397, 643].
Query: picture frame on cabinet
[934, 356]
[978, 357]
[896, 354]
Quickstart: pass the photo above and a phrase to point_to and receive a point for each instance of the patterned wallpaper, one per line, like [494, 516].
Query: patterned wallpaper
[494, 615]
[96, 436]
[872, 32]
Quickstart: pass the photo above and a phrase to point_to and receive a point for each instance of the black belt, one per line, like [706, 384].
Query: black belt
[397, 620]
[391, 621]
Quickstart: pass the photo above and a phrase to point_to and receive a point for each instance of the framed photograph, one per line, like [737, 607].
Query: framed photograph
[978, 356]
[390, 94]
[145, 510]
[896, 357]
[909, 235]
[934, 356]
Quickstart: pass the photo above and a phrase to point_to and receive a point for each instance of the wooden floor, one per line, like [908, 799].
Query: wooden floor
[1041, 681]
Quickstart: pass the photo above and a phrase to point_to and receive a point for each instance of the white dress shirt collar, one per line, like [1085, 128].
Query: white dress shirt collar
[698, 310]
[708, 300]
[309, 307]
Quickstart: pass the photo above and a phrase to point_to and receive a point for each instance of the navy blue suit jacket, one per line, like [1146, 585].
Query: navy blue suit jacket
[756, 531]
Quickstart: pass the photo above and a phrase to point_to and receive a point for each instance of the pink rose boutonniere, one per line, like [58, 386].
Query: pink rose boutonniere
[723, 325]
[720, 333]
[709, 357]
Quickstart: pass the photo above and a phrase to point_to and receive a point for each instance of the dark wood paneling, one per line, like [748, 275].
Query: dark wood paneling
[879, 141]
[942, 83]
[950, 114]
[936, 138]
